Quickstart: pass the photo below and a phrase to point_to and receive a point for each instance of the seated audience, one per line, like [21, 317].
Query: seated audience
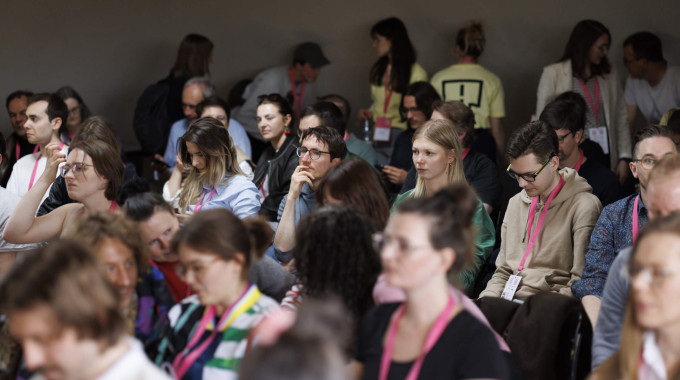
[618, 225]
[77, 112]
[213, 177]
[278, 161]
[355, 146]
[209, 332]
[67, 317]
[547, 225]
[567, 116]
[425, 239]
[437, 159]
[17, 142]
[321, 113]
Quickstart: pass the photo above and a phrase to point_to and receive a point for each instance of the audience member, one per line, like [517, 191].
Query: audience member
[673, 125]
[46, 114]
[77, 112]
[219, 109]
[355, 146]
[322, 113]
[17, 143]
[436, 156]
[216, 250]
[652, 86]
[549, 257]
[320, 149]
[424, 239]
[478, 88]
[278, 162]
[585, 69]
[213, 177]
[663, 195]
[618, 225]
[567, 116]
[67, 317]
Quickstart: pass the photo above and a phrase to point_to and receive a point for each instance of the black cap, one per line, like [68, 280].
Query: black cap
[310, 52]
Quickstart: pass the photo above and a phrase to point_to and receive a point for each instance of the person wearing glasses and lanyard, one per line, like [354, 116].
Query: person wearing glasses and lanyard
[547, 226]
[320, 149]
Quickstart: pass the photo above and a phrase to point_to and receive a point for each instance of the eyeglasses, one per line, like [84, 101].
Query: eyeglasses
[647, 162]
[197, 268]
[77, 168]
[561, 138]
[652, 276]
[528, 177]
[380, 241]
[313, 153]
[74, 110]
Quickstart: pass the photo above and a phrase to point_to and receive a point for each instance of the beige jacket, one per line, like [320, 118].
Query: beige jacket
[558, 256]
[557, 78]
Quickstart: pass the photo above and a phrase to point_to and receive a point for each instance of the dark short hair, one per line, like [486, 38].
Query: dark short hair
[536, 137]
[567, 111]
[329, 136]
[345, 107]
[67, 278]
[461, 116]
[106, 161]
[645, 45]
[425, 96]
[582, 38]
[649, 131]
[56, 108]
[141, 207]
[213, 101]
[16, 95]
[328, 113]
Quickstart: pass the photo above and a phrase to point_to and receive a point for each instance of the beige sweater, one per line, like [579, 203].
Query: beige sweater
[558, 256]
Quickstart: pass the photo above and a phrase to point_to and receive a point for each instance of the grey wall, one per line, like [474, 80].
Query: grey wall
[110, 51]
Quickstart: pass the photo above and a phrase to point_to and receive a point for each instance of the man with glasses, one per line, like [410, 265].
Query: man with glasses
[618, 225]
[663, 198]
[320, 149]
[567, 116]
[547, 225]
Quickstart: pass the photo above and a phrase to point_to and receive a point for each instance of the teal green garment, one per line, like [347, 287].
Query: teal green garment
[485, 238]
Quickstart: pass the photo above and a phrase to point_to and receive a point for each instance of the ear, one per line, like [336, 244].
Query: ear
[336, 161]
[56, 124]
[461, 137]
[451, 156]
[633, 169]
[448, 257]
[578, 136]
[287, 119]
[555, 162]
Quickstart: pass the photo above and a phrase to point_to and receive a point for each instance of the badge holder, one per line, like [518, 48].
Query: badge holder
[383, 129]
[511, 287]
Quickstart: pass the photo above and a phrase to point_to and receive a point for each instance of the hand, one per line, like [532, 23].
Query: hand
[184, 218]
[179, 165]
[622, 171]
[300, 177]
[54, 159]
[364, 114]
[394, 175]
[161, 167]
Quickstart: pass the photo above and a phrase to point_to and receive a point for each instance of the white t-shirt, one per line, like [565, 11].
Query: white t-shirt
[134, 365]
[7, 205]
[23, 169]
[653, 102]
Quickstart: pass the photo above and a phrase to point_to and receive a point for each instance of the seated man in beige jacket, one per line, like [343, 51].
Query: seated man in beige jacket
[547, 226]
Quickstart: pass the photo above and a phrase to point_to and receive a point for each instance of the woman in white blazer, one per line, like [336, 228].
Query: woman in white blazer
[585, 69]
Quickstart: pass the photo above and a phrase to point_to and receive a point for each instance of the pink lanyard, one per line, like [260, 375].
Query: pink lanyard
[388, 90]
[596, 107]
[35, 167]
[465, 153]
[201, 203]
[432, 337]
[112, 209]
[185, 359]
[580, 160]
[297, 103]
[17, 150]
[635, 218]
[532, 214]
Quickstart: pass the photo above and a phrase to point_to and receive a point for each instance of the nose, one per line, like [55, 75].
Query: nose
[522, 182]
[69, 173]
[33, 356]
[123, 278]
[418, 158]
[195, 161]
[306, 157]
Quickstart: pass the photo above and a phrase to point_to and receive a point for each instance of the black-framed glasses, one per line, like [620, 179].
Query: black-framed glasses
[561, 138]
[647, 162]
[529, 177]
[77, 168]
[313, 153]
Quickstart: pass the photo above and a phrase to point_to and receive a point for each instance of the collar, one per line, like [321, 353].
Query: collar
[220, 187]
[651, 357]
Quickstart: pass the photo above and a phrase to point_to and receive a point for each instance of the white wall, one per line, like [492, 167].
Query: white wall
[110, 51]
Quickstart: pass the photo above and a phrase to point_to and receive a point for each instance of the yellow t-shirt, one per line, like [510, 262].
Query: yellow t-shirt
[477, 87]
[378, 96]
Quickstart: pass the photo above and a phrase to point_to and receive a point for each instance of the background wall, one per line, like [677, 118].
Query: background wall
[110, 51]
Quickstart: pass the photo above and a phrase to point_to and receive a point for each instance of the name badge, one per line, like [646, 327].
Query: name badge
[599, 135]
[383, 129]
[511, 287]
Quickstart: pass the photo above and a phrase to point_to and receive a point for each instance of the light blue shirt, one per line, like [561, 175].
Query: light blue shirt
[236, 194]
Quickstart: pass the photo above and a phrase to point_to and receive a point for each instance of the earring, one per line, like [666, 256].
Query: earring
[286, 131]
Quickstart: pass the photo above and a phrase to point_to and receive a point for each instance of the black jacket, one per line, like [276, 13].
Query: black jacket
[279, 166]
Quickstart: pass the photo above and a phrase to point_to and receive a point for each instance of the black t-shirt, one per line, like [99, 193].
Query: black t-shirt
[402, 151]
[606, 186]
[466, 349]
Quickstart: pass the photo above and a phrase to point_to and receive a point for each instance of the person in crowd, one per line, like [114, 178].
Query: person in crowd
[652, 86]
[567, 116]
[77, 112]
[585, 69]
[479, 171]
[547, 225]
[208, 333]
[195, 91]
[650, 334]
[437, 158]
[218, 108]
[320, 149]
[295, 83]
[322, 113]
[213, 177]
[663, 195]
[143, 294]
[426, 238]
[46, 114]
[17, 144]
[390, 76]
[617, 227]
[365, 194]
[673, 125]
[279, 160]
[478, 88]
[355, 145]
[66, 315]
[416, 110]
[93, 173]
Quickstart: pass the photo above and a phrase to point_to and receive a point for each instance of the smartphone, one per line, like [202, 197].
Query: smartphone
[161, 163]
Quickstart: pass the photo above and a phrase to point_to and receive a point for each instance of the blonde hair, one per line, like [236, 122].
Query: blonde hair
[442, 133]
[471, 40]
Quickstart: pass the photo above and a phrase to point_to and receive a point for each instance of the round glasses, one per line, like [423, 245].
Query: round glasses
[77, 168]
[313, 153]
